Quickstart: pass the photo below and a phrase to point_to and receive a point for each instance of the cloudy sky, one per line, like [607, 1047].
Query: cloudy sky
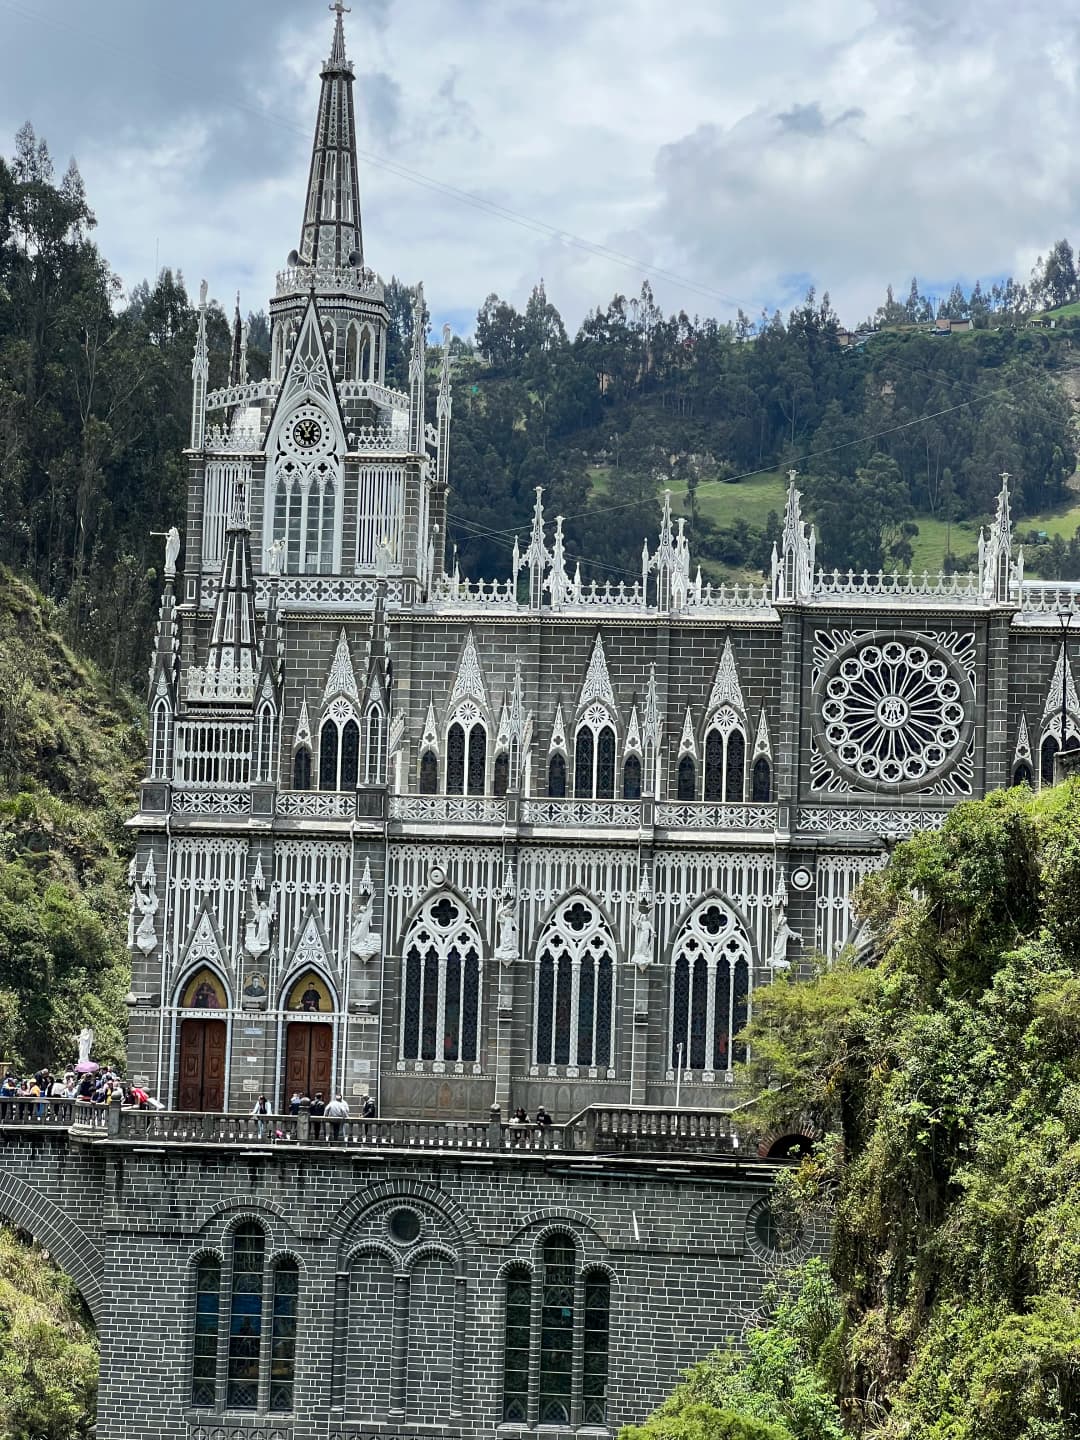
[735, 152]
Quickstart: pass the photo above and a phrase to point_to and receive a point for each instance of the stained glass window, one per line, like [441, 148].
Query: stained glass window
[350, 755]
[283, 1335]
[477, 759]
[595, 1348]
[605, 764]
[429, 773]
[245, 1318]
[328, 756]
[583, 765]
[207, 1320]
[710, 987]
[516, 1343]
[762, 781]
[631, 778]
[441, 1003]
[557, 777]
[501, 776]
[455, 760]
[740, 1008]
[575, 976]
[301, 772]
[736, 759]
[714, 766]
[687, 778]
[557, 1331]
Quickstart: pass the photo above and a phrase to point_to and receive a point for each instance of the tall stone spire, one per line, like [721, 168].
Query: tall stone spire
[331, 237]
[233, 661]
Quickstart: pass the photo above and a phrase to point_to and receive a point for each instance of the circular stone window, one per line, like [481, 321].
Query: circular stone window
[404, 1226]
[771, 1236]
[893, 713]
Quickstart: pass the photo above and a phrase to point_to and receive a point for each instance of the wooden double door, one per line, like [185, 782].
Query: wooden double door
[309, 1061]
[202, 1065]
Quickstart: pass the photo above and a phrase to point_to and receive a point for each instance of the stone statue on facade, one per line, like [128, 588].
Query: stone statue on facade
[146, 900]
[172, 551]
[364, 943]
[644, 935]
[507, 948]
[257, 930]
[276, 558]
[783, 935]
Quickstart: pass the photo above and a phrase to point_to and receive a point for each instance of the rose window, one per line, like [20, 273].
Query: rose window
[892, 712]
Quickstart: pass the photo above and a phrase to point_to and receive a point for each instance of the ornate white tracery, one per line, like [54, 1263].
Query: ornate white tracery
[575, 991]
[442, 961]
[595, 750]
[1051, 740]
[597, 684]
[711, 968]
[893, 711]
[317, 871]
[1022, 768]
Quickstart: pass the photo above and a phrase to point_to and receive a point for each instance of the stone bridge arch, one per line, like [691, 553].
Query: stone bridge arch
[75, 1253]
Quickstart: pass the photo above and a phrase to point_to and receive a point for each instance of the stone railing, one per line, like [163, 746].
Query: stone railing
[299, 279]
[729, 597]
[382, 439]
[210, 802]
[1047, 598]
[295, 591]
[316, 804]
[448, 809]
[239, 440]
[248, 394]
[450, 591]
[599, 1129]
[595, 813]
[369, 390]
[706, 815]
[53, 1114]
[901, 585]
[888, 823]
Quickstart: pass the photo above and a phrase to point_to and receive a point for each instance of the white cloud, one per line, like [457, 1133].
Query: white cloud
[750, 149]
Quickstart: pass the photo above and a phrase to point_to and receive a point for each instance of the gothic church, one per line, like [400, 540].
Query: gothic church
[451, 843]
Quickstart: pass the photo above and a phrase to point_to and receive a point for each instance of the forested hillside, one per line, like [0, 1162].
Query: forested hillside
[944, 1081]
[70, 759]
[900, 438]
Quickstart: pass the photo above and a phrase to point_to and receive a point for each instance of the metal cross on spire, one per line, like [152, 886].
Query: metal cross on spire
[340, 9]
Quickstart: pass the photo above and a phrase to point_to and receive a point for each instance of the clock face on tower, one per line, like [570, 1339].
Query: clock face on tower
[307, 433]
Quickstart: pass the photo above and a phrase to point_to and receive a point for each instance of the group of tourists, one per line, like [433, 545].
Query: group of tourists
[102, 1086]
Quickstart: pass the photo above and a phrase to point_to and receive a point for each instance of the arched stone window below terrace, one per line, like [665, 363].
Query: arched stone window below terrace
[1022, 774]
[562, 1341]
[710, 990]
[440, 1013]
[557, 777]
[574, 1006]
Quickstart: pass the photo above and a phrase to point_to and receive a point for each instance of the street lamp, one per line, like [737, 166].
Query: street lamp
[1065, 619]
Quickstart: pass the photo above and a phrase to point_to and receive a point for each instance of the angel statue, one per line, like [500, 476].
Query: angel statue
[172, 550]
[362, 942]
[783, 934]
[507, 948]
[257, 930]
[644, 930]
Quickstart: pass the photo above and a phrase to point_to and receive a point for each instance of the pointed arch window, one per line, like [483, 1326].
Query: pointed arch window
[517, 1290]
[441, 985]
[725, 758]
[501, 773]
[687, 779]
[631, 788]
[594, 755]
[761, 782]
[373, 747]
[267, 737]
[710, 990]
[595, 1347]
[283, 1334]
[303, 491]
[352, 351]
[1022, 773]
[1048, 753]
[575, 972]
[557, 1330]
[339, 748]
[159, 745]
[302, 768]
[429, 773]
[466, 754]
[557, 777]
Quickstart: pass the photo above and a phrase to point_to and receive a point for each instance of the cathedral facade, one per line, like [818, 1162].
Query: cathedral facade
[452, 844]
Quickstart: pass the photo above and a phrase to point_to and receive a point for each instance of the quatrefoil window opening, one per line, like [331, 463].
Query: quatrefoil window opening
[892, 713]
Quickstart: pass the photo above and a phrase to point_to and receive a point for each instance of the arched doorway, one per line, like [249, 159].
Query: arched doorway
[203, 1045]
[309, 1043]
